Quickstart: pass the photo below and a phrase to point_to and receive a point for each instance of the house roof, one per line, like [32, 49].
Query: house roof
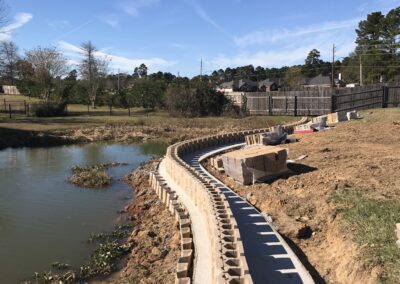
[243, 82]
[237, 84]
[266, 82]
[227, 85]
[320, 80]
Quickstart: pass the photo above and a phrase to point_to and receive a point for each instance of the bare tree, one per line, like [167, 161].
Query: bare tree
[93, 69]
[48, 63]
[8, 60]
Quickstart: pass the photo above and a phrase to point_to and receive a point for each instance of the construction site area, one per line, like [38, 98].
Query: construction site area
[336, 201]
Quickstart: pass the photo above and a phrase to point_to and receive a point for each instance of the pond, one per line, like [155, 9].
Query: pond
[44, 218]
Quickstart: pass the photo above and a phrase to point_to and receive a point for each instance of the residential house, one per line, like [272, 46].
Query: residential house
[9, 90]
[267, 85]
[319, 81]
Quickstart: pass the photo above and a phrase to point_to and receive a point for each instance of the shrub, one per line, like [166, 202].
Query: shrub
[195, 99]
[50, 109]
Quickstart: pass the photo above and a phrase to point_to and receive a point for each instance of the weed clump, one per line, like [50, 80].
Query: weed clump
[92, 176]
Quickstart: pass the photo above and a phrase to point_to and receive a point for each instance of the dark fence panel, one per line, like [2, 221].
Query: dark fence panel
[393, 96]
[358, 100]
[262, 104]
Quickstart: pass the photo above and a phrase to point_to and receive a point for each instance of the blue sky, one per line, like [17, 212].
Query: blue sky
[174, 35]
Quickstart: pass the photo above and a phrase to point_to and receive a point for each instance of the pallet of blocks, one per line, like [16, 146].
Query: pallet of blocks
[256, 163]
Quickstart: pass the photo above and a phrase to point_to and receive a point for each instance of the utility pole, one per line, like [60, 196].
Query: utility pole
[201, 69]
[333, 66]
[118, 81]
[361, 74]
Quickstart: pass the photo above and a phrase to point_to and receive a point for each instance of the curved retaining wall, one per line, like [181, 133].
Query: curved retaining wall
[227, 254]
[172, 202]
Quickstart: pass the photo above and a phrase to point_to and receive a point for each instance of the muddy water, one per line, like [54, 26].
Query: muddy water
[43, 218]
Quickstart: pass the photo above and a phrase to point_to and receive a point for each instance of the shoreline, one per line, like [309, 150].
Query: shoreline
[150, 241]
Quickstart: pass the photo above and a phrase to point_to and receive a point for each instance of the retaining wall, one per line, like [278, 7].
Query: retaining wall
[227, 253]
[172, 202]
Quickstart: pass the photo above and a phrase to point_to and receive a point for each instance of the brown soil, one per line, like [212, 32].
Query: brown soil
[362, 155]
[155, 238]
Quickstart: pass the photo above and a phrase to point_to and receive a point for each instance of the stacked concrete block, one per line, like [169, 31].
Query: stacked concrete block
[335, 117]
[227, 253]
[209, 200]
[255, 163]
[171, 201]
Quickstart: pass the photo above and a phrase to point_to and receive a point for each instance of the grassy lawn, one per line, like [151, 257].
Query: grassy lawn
[79, 117]
[18, 98]
[372, 223]
[158, 118]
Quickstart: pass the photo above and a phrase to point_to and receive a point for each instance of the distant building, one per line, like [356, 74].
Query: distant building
[9, 90]
[267, 86]
[246, 85]
[320, 81]
[226, 87]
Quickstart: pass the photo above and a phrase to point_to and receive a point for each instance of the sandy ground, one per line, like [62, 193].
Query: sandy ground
[361, 154]
[155, 237]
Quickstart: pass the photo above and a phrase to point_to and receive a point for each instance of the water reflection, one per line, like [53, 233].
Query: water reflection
[43, 218]
[154, 147]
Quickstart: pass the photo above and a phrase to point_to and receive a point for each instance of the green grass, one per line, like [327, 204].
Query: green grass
[372, 223]
[18, 98]
[158, 118]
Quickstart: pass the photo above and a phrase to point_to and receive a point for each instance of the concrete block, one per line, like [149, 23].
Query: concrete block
[185, 280]
[186, 243]
[186, 256]
[184, 223]
[186, 232]
[182, 270]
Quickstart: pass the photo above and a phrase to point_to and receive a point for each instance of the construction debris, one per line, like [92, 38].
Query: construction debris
[301, 157]
[217, 163]
[257, 163]
[321, 122]
[275, 136]
[397, 231]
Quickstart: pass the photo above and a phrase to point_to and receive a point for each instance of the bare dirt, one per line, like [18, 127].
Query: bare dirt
[155, 238]
[362, 155]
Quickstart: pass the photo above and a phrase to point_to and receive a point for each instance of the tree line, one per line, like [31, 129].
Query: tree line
[45, 72]
[377, 44]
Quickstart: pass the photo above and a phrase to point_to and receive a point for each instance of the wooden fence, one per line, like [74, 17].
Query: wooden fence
[287, 105]
[314, 102]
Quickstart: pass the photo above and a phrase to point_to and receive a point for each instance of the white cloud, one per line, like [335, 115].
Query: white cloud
[125, 64]
[111, 20]
[69, 47]
[288, 52]
[285, 47]
[261, 58]
[133, 7]
[268, 36]
[59, 24]
[202, 14]
[19, 20]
